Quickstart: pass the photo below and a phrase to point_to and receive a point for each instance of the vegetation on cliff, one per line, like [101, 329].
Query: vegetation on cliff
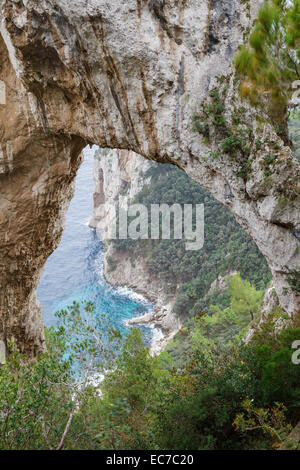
[40, 399]
[270, 64]
[227, 247]
[226, 394]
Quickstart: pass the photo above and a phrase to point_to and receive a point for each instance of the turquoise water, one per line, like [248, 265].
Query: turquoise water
[75, 270]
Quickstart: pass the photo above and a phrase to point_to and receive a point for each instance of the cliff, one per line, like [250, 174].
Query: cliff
[119, 177]
[130, 75]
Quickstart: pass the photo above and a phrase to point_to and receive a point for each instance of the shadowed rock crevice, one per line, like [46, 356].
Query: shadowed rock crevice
[219, 23]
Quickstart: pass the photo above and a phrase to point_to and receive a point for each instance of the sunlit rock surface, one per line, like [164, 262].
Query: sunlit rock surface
[126, 74]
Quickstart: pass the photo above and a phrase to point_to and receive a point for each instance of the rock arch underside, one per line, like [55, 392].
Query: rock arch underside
[127, 74]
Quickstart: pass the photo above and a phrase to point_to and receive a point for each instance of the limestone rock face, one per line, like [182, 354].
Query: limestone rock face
[36, 184]
[126, 74]
[119, 177]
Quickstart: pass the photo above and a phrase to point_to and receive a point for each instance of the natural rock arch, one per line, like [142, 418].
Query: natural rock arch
[126, 74]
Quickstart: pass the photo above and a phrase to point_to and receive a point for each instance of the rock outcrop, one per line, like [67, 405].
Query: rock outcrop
[118, 177]
[127, 74]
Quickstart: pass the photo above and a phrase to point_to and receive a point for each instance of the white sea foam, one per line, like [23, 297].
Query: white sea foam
[157, 335]
[126, 292]
[86, 222]
[122, 290]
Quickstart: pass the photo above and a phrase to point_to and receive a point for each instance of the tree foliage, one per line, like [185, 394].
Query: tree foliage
[226, 245]
[245, 299]
[270, 64]
[40, 399]
[228, 395]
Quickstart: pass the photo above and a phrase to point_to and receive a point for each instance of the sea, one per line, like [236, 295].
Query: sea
[74, 272]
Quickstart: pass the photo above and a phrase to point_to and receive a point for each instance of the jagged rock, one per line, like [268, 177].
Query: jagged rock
[127, 74]
[220, 283]
[270, 301]
[2, 353]
[293, 440]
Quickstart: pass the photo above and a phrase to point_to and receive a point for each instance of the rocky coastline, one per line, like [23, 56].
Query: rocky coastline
[119, 176]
